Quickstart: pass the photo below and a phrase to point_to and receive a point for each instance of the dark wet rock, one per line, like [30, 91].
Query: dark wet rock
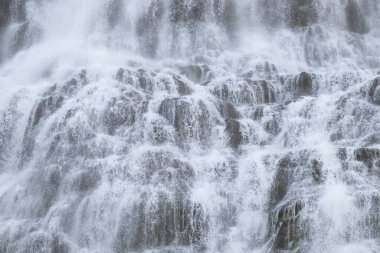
[191, 119]
[46, 107]
[336, 137]
[83, 77]
[226, 15]
[123, 110]
[45, 184]
[18, 40]
[241, 95]
[8, 122]
[71, 86]
[267, 92]
[342, 154]
[368, 156]
[182, 87]
[162, 168]
[248, 75]
[145, 81]
[258, 113]
[291, 13]
[294, 167]
[267, 71]
[269, 117]
[316, 171]
[120, 75]
[60, 244]
[372, 92]
[355, 18]
[317, 50]
[301, 85]
[282, 180]
[245, 92]
[4, 13]
[371, 139]
[37, 241]
[197, 73]
[302, 13]
[86, 180]
[163, 218]
[165, 222]
[228, 111]
[286, 226]
[273, 125]
[43, 109]
[148, 27]
[234, 133]
[114, 13]
[53, 146]
[11, 11]
[187, 12]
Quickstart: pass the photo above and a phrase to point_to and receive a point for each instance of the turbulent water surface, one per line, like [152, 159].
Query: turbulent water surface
[165, 126]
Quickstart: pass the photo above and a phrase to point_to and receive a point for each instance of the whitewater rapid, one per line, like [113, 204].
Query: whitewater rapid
[189, 126]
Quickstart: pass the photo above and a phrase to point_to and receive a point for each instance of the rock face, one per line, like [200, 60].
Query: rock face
[234, 132]
[301, 85]
[285, 217]
[245, 91]
[148, 28]
[172, 217]
[292, 13]
[191, 119]
[4, 12]
[302, 13]
[355, 18]
[370, 157]
[197, 126]
[373, 92]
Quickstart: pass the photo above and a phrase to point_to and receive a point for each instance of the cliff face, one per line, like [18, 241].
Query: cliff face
[189, 126]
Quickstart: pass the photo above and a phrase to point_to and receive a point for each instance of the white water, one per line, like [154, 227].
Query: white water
[188, 126]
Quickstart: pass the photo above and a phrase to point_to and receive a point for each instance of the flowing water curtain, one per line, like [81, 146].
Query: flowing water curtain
[189, 126]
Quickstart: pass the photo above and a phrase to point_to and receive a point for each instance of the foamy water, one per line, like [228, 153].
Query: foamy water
[189, 126]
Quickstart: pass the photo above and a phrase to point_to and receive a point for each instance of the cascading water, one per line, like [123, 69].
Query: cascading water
[190, 126]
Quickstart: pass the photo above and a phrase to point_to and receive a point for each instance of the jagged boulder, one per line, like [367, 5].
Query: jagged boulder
[301, 85]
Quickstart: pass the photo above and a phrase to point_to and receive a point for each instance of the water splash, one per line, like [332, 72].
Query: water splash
[189, 126]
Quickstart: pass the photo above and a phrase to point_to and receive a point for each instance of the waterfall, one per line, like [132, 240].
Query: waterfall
[214, 126]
